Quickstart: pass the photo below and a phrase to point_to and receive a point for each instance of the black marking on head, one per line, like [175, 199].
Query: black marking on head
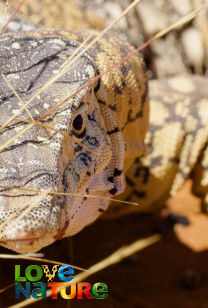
[117, 172]
[35, 177]
[81, 104]
[78, 148]
[97, 88]
[85, 198]
[85, 158]
[101, 210]
[91, 118]
[88, 173]
[72, 217]
[110, 179]
[115, 130]
[64, 183]
[112, 107]
[12, 147]
[92, 140]
[113, 191]
[12, 126]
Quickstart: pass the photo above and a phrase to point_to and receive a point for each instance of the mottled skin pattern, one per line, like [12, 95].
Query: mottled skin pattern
[177, 142]
[115, 119]
[102, 117]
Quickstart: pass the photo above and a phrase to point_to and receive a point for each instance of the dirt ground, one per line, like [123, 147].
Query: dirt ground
[167, 274]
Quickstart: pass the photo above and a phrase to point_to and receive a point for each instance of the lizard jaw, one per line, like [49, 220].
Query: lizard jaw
[38, 228]
[27, 245]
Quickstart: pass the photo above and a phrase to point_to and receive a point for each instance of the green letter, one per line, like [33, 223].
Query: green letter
[17, 274]
[99, 290]
[39, 272]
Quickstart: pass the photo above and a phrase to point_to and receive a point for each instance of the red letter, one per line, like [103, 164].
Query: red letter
[86, 291]
[54, 286]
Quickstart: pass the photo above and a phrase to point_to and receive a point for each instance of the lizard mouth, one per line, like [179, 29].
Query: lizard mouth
[28, 229]
[27, 245]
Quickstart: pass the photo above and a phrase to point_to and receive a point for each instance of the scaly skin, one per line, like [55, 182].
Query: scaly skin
[178, 146]
[111, 110]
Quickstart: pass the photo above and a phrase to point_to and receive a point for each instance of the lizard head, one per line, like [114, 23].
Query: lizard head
[55, 175]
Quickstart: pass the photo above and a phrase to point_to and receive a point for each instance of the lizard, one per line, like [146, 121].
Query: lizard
[116, 117]
[99, 120]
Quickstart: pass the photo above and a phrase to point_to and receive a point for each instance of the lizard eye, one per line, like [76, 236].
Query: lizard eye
[78, 122]
[79, 126]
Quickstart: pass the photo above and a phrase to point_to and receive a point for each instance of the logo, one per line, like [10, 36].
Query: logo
[30, 284]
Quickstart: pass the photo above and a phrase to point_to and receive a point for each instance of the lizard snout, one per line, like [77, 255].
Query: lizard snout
[33, 223]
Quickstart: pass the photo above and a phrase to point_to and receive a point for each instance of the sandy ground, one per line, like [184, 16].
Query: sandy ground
[166, 275]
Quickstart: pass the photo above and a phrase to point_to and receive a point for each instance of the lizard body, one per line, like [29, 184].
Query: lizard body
[115, 116]
[178, 146]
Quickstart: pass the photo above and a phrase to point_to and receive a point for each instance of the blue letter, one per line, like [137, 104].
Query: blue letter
[39, 292]
[19, 288]
[66, 270]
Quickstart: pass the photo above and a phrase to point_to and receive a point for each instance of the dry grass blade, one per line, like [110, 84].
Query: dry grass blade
[116, 257]
[12, 16]
[67, 194]
[33, 258]
[7, 287]
[33, 255]
[17, 95]
[185, 19]
[22, 132]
